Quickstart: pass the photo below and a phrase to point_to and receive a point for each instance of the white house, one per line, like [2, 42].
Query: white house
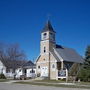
[2, 68]
[18, 68]
[8, 67]
[28, 70]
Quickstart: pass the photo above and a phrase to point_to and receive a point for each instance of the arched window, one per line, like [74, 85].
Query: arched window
[52, 36]
[53, 66]
[44, 49]
[44, 35]
[38, 67]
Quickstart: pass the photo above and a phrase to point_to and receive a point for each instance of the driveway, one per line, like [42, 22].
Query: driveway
[12, 86]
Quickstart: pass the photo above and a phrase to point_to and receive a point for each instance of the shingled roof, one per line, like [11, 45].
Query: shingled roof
[68, 54]
[48, 27]
[14, 64]
[29, 64]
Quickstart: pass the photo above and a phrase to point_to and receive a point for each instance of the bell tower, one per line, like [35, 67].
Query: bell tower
[47, 39]
[46, 47]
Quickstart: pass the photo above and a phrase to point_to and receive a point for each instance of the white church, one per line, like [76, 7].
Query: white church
[56, 61]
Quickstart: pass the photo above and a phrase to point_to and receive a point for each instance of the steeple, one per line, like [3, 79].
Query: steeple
[48, 27]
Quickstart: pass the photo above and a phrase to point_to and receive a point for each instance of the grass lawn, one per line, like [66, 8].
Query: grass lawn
[50, 81]
[53, 83]
[61, 81]
[4, 80]
[85, 83]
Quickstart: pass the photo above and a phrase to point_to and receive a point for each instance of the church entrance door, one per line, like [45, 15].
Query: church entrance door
[44, 72]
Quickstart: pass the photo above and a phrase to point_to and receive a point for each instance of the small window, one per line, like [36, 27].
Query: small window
[44, 49]
[32, 71]
[53, 66]
[20, 70]
[44, 35]
[38, 67]
[52, 36]
[7, 70]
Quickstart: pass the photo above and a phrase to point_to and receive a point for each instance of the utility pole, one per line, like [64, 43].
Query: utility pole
[49, 66]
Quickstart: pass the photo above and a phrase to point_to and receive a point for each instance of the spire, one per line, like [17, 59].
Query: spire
[48, 27]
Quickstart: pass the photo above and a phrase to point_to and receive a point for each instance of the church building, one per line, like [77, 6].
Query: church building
[56, 61]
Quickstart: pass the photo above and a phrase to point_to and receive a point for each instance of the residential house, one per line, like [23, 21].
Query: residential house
[17, 68]
[8, 67]
[28, 70]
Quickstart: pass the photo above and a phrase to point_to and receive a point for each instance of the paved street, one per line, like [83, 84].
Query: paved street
[11, 86]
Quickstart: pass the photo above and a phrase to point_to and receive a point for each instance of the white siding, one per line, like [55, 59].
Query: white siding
[2, 68]
[10, 74]
[29, 74]
[19, 72]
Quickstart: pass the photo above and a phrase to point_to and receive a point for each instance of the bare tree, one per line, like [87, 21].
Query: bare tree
[2, 51]
[11, 52]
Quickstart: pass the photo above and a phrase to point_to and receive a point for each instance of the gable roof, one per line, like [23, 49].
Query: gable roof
[69, 54]
[29, 64]
[13, 64]
[48, 27]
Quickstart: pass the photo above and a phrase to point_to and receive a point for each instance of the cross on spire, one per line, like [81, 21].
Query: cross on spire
[48, 16]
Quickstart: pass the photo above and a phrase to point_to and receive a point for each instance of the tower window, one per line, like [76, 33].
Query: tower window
[52, 36]
[44, 49]
[44, 35]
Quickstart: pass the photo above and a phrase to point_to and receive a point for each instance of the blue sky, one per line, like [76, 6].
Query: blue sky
[21, 21]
